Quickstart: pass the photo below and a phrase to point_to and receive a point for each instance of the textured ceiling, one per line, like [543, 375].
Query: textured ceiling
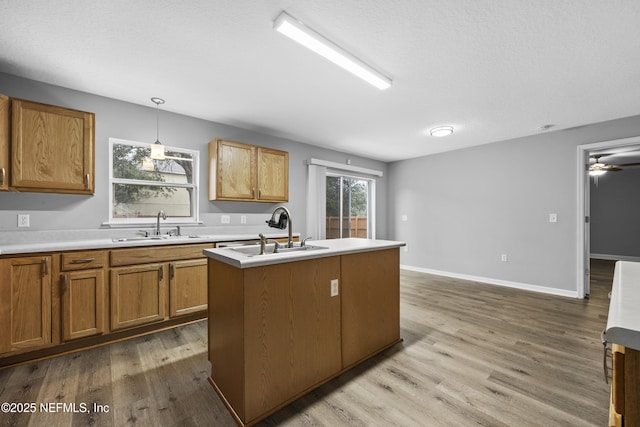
[494, 70]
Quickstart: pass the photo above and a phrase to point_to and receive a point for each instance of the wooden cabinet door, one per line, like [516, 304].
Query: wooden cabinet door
[292, 331]
[25, 303]
[4, 142]
[370, 287]
[83, 304]
[273, 175]
[234, 171]
[137, 295]
[187, 287]
[52, 148]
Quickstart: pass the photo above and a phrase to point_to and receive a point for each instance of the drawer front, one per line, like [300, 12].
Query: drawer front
[83, 260]
[148, 254]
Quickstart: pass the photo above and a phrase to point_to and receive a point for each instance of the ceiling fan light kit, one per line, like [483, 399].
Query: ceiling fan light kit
[299, 32]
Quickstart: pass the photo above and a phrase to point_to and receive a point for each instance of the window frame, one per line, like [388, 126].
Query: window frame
[371, 191]
[195, 202]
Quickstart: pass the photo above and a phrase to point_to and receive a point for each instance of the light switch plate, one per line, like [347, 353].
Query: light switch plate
[334, 287]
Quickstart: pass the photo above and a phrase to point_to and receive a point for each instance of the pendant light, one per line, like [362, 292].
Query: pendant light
[157, 149]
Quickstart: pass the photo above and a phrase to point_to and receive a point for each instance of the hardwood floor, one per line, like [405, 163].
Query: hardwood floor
[473, 354]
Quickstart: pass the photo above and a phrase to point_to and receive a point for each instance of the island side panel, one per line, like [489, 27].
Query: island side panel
[226, 331]
[370, 289]
[292, 328]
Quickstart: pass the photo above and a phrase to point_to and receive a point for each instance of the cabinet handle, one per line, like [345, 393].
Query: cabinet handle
[604, 356]
[87, 178]
[260, 193]
[2, 176]
[253, 193]
[161, 272]
[45, 266]
[82, 260]
[65, 283]
[172, 271]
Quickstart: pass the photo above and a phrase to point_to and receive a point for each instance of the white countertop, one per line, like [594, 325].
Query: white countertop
[623, 324]
[333, 247]
[111, 243]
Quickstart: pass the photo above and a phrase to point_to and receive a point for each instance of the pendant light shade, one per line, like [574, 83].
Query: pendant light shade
[157, 149]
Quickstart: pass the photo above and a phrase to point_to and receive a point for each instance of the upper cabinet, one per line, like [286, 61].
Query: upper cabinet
[4, 142]
[243, 172]
[52, 148]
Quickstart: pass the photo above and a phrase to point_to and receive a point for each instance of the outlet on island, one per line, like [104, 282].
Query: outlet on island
[334, 287]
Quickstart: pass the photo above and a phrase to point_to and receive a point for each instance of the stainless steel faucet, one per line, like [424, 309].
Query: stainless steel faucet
[164, 216]
[272, 223]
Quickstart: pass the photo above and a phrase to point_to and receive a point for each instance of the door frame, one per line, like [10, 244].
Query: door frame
[583, 245]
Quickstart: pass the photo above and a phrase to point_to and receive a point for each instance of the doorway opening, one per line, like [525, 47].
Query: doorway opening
[583, 232]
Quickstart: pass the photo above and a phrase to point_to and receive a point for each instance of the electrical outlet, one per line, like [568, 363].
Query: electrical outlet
[225, 219]
[334, 287]
[243, 219]
[404, 218]
[504, 258]
[23, 220]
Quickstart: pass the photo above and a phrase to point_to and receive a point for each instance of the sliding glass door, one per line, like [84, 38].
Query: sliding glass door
[348, 207]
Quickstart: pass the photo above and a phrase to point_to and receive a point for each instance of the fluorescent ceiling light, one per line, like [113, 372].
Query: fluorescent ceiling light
[441, 131]
[307, 37]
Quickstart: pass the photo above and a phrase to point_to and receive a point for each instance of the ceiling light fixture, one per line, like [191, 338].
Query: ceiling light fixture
[441, 131]
[296, 30]
[157, 149]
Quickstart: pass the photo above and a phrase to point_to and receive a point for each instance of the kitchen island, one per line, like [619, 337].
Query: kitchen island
[282, 324]
[623, 332]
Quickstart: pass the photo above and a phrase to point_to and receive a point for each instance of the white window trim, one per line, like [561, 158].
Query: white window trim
[149, 221]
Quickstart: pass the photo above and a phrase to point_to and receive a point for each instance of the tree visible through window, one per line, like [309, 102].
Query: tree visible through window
[347, 209]
[141, 187]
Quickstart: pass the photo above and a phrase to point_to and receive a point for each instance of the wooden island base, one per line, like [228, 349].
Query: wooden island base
[276, 331]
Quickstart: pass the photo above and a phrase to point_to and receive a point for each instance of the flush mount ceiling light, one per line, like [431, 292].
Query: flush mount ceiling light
[441, 131]
[157, 149]
[296, 30]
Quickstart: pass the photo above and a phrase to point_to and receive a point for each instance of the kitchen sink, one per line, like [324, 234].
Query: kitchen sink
[254, 250]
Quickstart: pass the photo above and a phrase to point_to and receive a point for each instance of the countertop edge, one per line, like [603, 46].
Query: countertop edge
[623, 320]
[109, 243]
[242, 262]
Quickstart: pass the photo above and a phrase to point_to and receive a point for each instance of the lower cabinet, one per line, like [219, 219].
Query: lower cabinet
[274, 332]
[370, 303]
[65, 301]
[83, 293]
[25, 303]
[187, 287]
[83, 304]
[137, 295]
[624, 407]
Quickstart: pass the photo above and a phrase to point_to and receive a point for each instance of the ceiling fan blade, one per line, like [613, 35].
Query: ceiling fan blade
[623, 165]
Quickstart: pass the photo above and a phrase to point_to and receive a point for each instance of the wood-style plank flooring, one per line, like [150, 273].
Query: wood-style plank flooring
[473, 354]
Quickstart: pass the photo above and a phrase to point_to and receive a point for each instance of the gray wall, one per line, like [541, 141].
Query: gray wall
[138, 123]
[465, 208]
[615, 215]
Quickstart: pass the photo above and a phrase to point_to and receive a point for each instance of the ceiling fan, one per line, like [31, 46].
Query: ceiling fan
[597, 168]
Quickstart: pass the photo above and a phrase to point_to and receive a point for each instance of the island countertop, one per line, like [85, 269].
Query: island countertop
[623, 323]
[333, 247]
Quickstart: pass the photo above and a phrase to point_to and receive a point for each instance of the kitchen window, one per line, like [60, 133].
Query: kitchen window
[140, 187]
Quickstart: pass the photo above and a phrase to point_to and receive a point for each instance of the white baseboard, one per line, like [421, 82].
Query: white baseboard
[498, 282]
[615, 257]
